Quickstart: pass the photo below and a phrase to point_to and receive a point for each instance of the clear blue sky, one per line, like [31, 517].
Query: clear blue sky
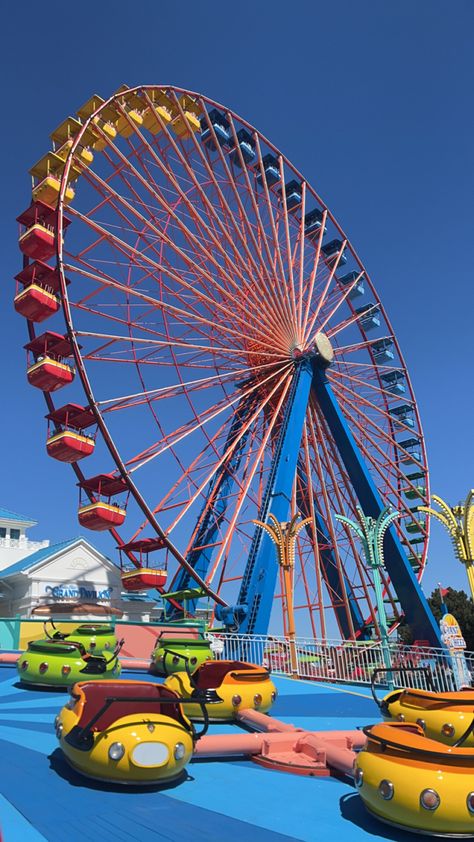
[371, 100]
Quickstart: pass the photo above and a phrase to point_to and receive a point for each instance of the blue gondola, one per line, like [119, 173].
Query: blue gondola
[332, 249]
[413, 454]
[293, 193]
[382, 351]
[369, 316]
[349, 279]
[220, 124]
[270, 169]
[394, 382]
[246, 146]
[312, 224]
[403, 415]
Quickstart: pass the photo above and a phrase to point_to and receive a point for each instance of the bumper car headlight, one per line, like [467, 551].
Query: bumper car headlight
[116, 751]
[179, 751]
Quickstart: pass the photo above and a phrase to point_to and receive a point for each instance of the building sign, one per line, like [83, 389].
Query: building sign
[451, 635]
[86, 593]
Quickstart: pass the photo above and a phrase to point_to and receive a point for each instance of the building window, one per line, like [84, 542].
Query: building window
[14, 534]
[3, 532]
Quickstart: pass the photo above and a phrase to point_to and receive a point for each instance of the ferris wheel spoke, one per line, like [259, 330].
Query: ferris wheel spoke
[281, 384]
[164, 306]
[193, 212]
[345, 502]
[203, 419]
[280, 302]
[350, 320]
[361, 346]
[340, 377]
[139, 398]
[280, 278]
[341, 497]
[241, 498]
[312, 279]
[265, 276]
[327, 519]
[126, 248]
[230, 216]
[361, 433]
[322, 297]
[314, 541]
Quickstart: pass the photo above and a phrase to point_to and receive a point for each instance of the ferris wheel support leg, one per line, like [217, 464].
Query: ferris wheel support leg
[258, 584]
[329, 568]
[412, 599]
[213, 512]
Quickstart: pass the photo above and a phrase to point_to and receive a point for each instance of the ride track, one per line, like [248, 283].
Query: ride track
[200, 261]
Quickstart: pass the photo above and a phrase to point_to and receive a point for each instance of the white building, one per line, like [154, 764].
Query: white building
[14, 543]
[70, 579]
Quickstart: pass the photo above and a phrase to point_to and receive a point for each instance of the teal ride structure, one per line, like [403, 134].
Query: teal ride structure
[227, 357]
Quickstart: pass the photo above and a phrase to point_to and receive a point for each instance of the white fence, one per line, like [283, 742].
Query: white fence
[347, 661]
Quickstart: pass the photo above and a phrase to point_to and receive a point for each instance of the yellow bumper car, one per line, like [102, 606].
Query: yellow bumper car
[445, 717]
[126, 732]
[226, 686]
[414, 783]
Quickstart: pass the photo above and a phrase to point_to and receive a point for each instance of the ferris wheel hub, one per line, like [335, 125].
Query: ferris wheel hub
[323, 350]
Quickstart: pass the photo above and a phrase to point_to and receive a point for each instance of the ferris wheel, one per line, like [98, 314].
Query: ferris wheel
[216, 328]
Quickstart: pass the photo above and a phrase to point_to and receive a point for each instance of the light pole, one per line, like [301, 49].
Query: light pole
[459, 521]
[371, 533]
[284, 534]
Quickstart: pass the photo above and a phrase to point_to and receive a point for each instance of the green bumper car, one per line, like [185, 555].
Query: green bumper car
[60, 663]
[171, 654]
[94, 637]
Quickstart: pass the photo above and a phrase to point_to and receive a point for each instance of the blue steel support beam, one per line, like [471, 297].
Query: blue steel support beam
[213, 511]
[412, 599]
[329, 566]
[258, 584]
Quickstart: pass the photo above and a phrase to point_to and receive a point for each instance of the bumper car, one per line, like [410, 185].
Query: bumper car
[171, 653]
[226, 686]
[126, 732]
[414, 783]
[445, 717]
[60, 663]
[94, 637]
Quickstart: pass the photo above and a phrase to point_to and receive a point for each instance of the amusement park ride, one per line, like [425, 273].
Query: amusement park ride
[234, 359]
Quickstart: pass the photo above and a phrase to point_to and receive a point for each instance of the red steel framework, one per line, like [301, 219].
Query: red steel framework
[189, 285]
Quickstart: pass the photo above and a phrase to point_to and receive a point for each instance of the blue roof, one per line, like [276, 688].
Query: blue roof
[40, 555]
[6, 514]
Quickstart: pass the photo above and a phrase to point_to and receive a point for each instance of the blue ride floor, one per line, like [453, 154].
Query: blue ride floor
[41, 798]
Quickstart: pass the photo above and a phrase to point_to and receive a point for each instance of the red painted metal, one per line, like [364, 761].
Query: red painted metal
[50, 375]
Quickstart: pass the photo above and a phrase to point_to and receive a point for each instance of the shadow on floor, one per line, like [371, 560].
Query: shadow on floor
[353, 810]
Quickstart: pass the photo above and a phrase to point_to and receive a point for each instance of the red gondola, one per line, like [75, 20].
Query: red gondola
[38, 239]
[98, 514]
[66, 440]
[37, 291]
[141, 577]
[48, 371]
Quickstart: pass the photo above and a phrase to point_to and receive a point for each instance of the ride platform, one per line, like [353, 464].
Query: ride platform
[42, 798]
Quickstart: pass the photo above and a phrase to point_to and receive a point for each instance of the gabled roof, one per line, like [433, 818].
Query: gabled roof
[42, 555]
[6, 514]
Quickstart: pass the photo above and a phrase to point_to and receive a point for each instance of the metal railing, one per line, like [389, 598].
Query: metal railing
[347, 661]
